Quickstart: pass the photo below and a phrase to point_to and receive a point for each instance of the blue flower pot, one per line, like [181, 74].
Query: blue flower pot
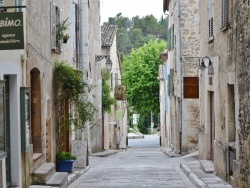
[64, 166]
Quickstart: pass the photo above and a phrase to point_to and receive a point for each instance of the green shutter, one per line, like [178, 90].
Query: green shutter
[111, 81]
[172, 44]
[169, 84]
[172, 81]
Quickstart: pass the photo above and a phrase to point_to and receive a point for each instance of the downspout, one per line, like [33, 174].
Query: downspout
[84, 55]
[180, 61]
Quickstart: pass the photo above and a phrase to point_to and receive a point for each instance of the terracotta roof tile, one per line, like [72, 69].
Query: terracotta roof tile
[108, 34]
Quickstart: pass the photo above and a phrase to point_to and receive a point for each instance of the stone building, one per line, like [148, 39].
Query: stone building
[182, 113]
[27, 111]
[219, 88]
[116, 121]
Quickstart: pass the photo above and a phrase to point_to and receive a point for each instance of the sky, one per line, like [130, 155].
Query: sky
[131, 8]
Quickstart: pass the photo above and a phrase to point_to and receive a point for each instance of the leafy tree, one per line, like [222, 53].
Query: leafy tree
[140, 76]
[137, 38]
[123, 43]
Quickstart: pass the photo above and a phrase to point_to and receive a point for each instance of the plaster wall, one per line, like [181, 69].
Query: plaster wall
[189, 47]
[224, 75]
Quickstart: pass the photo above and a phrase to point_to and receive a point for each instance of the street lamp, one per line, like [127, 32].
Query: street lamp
[202, 65]
[108, 62]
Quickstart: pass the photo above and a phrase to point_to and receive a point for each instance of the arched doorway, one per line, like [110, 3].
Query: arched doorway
[36, 124]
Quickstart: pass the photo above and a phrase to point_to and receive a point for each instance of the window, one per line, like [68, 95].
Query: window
[1, 2]
[210, 21]
[2, 118]
[18, 3]
[55, 20]
[224, 14]
[170, 38]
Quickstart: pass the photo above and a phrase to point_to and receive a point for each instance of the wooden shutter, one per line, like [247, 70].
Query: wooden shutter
[60, 22]
[172, 37]
[224, 14]
[53, 25]
[169, 39]
[210, 20]
[116, 79]
[19, 3]
[111, 81]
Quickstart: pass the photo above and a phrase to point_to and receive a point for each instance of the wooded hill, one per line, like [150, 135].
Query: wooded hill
[133, 33]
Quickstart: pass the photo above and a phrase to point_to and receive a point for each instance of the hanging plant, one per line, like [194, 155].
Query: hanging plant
[61, 31]
[71, 98]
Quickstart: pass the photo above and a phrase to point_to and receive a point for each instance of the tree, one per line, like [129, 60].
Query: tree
[140, 76]
[107, 100]
[137, 38]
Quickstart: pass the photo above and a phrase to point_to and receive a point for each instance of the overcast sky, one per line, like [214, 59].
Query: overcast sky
[131, 8]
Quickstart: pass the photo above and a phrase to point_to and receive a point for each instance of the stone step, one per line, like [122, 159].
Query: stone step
[207, 166]
[39, 186]
[58, 179]
[43, 173]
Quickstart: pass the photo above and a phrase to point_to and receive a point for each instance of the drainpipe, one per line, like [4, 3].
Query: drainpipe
[84, 55]
[180, 61]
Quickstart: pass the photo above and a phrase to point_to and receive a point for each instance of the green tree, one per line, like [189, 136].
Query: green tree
[140, 76]
[137, 38]
[107, 100]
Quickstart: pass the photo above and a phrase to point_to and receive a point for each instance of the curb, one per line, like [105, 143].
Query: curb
[193, 178]
[75, 175]
[104, 154]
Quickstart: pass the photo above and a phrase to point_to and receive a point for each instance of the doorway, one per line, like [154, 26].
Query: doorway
[7, 121]
[211, 123]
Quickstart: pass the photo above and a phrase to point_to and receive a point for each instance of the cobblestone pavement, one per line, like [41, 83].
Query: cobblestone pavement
[139, 166]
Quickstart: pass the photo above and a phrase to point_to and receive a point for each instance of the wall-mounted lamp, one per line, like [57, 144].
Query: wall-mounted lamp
[202, 65]
[108, 62]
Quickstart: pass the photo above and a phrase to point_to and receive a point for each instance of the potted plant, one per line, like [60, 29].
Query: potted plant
[65, 38]
[65, 162]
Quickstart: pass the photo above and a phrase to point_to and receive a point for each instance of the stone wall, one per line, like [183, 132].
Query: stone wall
[242, 57]
[189, 47]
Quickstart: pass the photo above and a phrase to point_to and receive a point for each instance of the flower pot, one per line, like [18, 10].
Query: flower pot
[64, 166]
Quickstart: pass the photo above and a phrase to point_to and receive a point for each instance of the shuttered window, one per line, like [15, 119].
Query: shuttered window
[1, 2]
[53, 25]
[224, 14]
[111, 81]
[116, 79]
[169, 39]
[172, 38]
[19, 3]
[210, 20]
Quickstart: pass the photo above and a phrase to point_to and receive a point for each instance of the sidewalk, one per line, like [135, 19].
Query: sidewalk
[199, 172]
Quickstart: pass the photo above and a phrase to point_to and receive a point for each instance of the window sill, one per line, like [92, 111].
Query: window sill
[211, 39]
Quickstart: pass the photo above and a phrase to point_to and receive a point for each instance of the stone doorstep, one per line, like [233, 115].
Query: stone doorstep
[207, 166]
[59, 179]
[193, 177]
[43, 173]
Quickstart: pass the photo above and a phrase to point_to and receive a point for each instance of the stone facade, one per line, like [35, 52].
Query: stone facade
[242, 58]
[182, 138]
[223, 135]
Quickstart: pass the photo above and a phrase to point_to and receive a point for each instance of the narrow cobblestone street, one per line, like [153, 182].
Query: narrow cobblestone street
[142, 165]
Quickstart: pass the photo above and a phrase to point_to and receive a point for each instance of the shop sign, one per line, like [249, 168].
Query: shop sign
[191, 87]
[11, 31]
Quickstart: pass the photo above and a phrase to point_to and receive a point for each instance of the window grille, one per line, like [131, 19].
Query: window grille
[224, 14]
[19, 3]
